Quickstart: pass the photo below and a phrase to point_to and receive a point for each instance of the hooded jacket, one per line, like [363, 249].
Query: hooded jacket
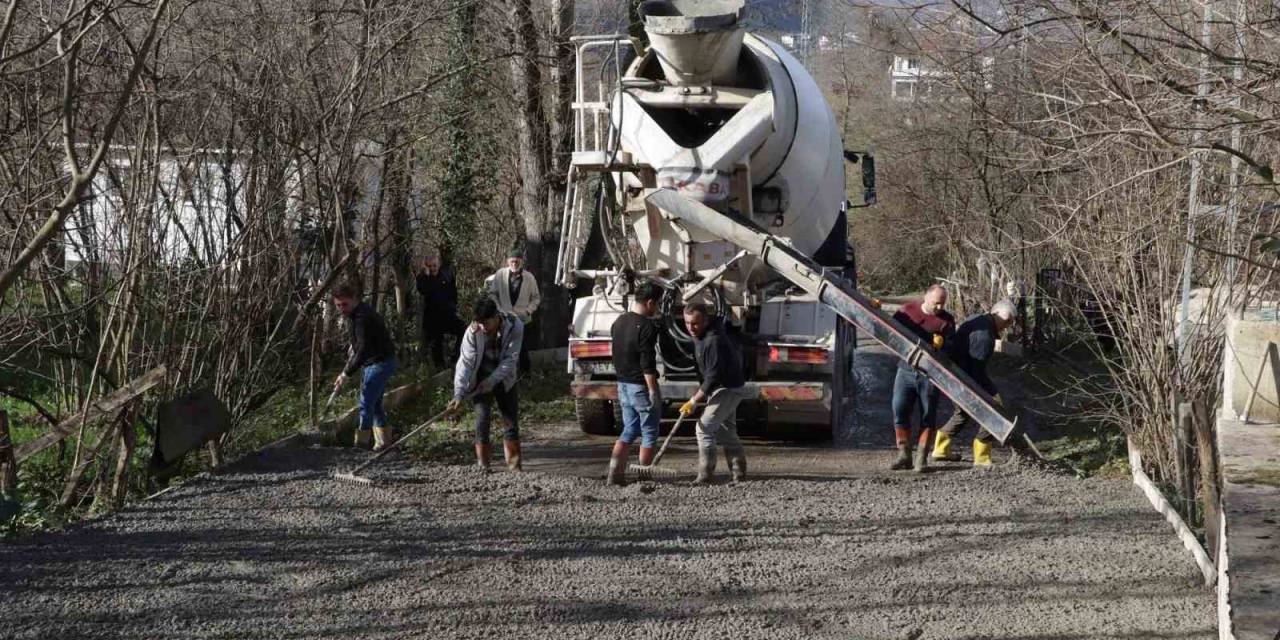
[719, 359]
[472, 352]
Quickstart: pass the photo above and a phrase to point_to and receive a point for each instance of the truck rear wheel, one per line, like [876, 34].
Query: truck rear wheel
[596, 417]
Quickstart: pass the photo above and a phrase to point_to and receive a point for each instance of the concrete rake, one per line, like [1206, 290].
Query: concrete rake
[652, 471]
[353, 476]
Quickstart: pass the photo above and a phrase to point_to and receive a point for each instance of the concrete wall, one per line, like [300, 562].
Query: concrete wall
[1246, 346]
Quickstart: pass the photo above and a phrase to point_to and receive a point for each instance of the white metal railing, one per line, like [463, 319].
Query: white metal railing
[592, 131]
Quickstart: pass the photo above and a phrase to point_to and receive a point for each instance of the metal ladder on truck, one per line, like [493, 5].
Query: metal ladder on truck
[838, 294]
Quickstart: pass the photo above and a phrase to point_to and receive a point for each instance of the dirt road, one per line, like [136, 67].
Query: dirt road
[821, 543]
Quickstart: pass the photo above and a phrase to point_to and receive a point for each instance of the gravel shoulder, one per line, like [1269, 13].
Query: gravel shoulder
[821, 543]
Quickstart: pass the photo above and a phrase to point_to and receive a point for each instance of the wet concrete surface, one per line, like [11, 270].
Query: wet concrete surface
[821, 542]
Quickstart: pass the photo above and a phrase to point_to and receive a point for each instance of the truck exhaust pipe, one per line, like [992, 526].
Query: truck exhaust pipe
[697, 42]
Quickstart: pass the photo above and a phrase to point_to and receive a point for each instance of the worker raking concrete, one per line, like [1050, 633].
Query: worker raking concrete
[488, 368]
[932, 324]
[971, 348]
[719, 362]
[635, 359]
[372, 353]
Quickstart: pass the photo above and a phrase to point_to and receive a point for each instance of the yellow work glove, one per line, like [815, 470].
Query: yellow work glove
[686, 408]
[937, 341]
[875, 303]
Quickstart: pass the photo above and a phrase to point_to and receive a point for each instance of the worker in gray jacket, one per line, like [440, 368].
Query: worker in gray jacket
[720, 364]
[487, 368]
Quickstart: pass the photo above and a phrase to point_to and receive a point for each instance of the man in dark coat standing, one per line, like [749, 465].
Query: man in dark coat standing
[439, 291]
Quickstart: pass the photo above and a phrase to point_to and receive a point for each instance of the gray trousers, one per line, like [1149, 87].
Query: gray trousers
[719, 420]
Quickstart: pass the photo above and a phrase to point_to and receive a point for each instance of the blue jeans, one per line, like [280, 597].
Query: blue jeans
[911, 388]
[639, 417]
[373, 384]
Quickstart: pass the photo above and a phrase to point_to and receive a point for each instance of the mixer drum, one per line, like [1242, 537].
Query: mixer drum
[768, 113]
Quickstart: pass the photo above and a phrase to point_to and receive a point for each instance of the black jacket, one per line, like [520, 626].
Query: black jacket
[370, 340]
[972, 346]
[439, 296]
[719, 359]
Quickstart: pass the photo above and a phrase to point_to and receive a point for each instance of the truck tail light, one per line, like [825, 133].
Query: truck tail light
[798, 355]
[590, 349]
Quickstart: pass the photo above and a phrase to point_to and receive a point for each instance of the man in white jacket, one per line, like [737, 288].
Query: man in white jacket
[516, 292]
[489, 352]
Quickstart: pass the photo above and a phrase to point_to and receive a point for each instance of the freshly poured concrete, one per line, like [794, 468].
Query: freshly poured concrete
[275, 549]
[820, 543]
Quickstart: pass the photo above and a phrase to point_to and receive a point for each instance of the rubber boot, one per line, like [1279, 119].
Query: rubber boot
[706, 465]
[382, 438]
[646, 456]
[737, 463]
[903, 436]
[618, 465]
[482, 457]
[942, 449]
[920, 459]
[981, 454]
[363, 438]
[512, 450]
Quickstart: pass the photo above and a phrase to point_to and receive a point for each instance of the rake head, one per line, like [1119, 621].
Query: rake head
[347, 476]
[652, 472]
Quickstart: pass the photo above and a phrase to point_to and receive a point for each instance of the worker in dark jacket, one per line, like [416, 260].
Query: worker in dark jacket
[971, 350]
[439, 291]
[927, 319]
[635, 360]
[719, 361]
[373, 352]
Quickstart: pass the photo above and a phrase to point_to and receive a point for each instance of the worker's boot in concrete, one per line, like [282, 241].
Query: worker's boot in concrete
[903, 461]
[512, 450]
[618, 465]
[942, 449]
[706, 464]
[363, 438]
[920, 459]
[737, 462]
[981, 454]
[382, 438]
[482, 457]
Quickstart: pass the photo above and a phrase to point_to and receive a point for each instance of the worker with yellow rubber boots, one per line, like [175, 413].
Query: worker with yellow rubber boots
[971, 349]
[927, 319]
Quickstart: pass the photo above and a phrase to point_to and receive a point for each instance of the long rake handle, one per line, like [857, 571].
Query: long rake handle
[392, 447]
[679, 421]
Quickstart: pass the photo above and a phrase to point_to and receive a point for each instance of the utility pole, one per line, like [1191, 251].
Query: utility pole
[1193, 199]
[806, 34]
[1233, 179]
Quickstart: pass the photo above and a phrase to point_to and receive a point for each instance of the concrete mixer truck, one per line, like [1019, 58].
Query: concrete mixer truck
[710, 163]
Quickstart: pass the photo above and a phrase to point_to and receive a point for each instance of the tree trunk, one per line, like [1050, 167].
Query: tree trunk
[534, 164]
[396, 202]
[8, 462]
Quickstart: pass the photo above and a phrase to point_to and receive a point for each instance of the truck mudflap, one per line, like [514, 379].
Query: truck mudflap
[847, 302]
[768, 391]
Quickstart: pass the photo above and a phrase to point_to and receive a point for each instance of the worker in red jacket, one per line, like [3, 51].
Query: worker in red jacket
[930, 322]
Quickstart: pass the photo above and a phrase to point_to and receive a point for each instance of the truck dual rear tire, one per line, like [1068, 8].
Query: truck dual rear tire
[596, 417]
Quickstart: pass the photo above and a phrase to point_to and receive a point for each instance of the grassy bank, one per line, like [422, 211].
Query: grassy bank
[544, 398]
